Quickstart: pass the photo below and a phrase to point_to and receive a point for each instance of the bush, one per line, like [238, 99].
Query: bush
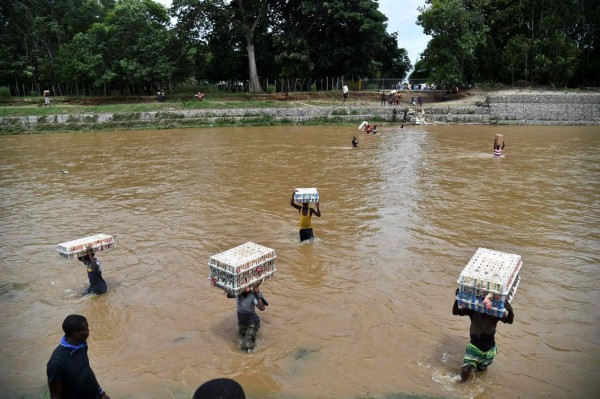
[4, 93]
[271, 89]
[313, 87]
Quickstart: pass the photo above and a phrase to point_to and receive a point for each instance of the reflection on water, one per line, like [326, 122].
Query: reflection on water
[364, 308]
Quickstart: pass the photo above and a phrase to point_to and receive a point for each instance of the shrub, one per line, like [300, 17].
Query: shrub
[271, 89]
[313, 87]
[4, 93]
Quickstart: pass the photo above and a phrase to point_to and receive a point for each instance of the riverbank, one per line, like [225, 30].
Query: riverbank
[514, 107]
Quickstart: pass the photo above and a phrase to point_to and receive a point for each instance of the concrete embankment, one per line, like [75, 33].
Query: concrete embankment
[498, 108]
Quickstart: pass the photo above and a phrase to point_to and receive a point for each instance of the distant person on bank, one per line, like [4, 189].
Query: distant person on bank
[497, 148]
[306, 212]
[481, 350]
[69, 373]
[248, 320]
[97, 284]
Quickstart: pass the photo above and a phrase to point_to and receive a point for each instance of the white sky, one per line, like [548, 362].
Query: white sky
[402, 18]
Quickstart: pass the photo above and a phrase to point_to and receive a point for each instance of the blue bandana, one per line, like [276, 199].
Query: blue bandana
[63, 342]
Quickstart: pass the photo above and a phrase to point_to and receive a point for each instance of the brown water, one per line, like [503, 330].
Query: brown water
[364, 309]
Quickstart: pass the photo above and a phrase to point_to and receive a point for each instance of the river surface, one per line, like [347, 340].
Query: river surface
[364, 309]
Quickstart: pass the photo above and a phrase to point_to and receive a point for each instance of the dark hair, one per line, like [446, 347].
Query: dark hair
[72, 324]
[220, 388]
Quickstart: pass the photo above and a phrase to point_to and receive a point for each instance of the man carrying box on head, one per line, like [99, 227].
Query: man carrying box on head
[306, 231]
[482, 348]
[248, 320]
[97, 283]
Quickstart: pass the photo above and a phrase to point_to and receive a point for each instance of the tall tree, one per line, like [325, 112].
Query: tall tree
[336, 37]
[457, 27]
[245, 15]
[33, 30]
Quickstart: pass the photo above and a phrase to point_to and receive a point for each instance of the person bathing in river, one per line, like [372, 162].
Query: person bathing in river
[354, 142]
[306, 212]
[481, 350]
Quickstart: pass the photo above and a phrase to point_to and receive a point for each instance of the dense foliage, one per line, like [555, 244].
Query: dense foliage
[132, 46]
[547, 42]
[107, 47]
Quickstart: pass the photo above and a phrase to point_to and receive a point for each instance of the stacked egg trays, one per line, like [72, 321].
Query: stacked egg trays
[489, 271]
[310, 195]
[98, 242]
[241, 267]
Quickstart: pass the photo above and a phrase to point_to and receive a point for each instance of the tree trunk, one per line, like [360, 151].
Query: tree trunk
[254, 82]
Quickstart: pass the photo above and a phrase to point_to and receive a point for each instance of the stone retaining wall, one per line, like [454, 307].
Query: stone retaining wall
[517, 109]
[546, 109]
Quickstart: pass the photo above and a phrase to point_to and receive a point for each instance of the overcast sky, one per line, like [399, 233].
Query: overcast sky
[402, 18]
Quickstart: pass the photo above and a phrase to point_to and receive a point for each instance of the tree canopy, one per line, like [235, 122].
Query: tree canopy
[536, 42]
[138, 46]
[131, 47]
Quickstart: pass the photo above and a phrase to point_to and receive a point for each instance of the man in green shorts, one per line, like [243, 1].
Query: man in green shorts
[482, 348]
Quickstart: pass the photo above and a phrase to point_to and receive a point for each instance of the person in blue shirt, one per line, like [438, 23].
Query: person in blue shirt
[69, 373]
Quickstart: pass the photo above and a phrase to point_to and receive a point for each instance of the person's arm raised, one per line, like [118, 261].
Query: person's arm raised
[317, 212]
[260, 303]
[90, 253]
[509, 316]
[292, 203]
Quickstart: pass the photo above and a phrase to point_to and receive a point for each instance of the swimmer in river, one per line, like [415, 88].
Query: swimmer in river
[354, 142]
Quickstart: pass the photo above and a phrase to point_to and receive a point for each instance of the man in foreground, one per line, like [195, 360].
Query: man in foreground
[481, 350]
[69, 373]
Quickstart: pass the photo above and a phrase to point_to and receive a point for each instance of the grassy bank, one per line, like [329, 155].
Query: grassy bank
[30, 106]
[130, 121]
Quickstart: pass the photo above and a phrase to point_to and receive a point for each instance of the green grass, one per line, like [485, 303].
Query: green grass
[63, 108]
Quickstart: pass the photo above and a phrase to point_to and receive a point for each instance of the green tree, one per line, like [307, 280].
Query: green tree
[239, 16]
[129, 50]
[457, 28]
[346, 37]
[33, 30]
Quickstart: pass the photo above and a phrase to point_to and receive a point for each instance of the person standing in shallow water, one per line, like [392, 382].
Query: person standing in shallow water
[497, 149]
[306, 212]
[481, 350]
[97, 284]
[248, 320]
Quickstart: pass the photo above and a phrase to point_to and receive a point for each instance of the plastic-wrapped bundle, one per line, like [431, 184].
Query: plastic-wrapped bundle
[489, 274]
[309, 195]
[98, 242]
[241, 267]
